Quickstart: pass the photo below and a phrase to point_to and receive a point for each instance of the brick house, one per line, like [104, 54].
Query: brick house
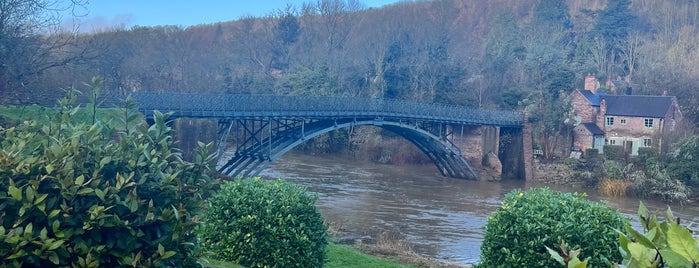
[632, 121]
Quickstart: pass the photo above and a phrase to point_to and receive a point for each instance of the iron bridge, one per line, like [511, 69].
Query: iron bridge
[265, 127]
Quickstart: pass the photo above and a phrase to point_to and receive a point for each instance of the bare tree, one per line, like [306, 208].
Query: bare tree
[32, 41]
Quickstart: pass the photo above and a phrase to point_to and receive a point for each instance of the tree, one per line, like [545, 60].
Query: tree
[610, 35]
[24, 48]
[504, 54]
[286, 33]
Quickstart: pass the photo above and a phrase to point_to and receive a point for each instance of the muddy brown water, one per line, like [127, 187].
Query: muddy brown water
[441, 217]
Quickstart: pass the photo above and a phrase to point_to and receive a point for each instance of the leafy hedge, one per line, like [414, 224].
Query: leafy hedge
[264, 224]
[517, 234]
[89, 195]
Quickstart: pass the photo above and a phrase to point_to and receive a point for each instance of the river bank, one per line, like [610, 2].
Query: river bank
[441, 217]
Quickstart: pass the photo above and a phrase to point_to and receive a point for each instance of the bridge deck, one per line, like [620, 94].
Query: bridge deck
[272, 106]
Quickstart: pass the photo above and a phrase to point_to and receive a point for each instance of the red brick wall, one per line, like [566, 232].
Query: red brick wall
[634, 127]
[582, 138]
[582, 107]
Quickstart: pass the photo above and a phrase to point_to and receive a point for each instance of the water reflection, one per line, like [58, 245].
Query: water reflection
[442, 217]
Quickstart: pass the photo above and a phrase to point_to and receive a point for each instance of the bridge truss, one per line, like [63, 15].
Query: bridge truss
[262, 128]
[259, 142]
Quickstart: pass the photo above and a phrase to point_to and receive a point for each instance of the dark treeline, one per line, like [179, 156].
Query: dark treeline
[499, 54]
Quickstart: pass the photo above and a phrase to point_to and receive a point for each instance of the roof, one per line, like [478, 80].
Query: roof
[593, 98]
[638, 105]
[592, 128]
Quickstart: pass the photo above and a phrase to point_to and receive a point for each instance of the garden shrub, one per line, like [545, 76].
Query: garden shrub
[657, 182]
[527, 222]
[645, 153]
[572, 163]
[89, 195]
[685, 162]
[613, 170]
[591, 153]
[264, 224]
[614, 152]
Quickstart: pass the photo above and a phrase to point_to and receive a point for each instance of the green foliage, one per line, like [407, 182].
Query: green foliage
[318, 81]
[685, 163]
[340, 256]
[657, 182]
[613, 152]
[88, 195]
[527, 222]
[591, 153]
[663, 244]
[645, 153]
[614, 21]
[568, 259]
[613, 170]
[571, 162]
[258, 224]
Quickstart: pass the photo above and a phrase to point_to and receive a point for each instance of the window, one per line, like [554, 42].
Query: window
[610, 142]
[622, 121]
[610, 120]
[647, 142]
[648, 122]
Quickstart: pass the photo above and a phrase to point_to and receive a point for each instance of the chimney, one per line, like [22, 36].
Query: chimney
[664, 92]
[602, 115]
[591, 83]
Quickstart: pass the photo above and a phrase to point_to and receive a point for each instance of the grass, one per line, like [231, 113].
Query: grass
[36, 112]
[613, 187]
[41, 114]
[348, 256]
[338, 256]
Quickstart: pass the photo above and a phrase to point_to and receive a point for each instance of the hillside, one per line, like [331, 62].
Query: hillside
[498, 53]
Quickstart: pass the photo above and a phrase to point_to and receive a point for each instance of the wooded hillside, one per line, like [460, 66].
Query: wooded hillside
[499, 53]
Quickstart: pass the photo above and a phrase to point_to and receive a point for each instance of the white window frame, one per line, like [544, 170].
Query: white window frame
[648, 122]
[609, 120]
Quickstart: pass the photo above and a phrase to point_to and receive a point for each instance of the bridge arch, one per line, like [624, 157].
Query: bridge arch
[273, 124]
[250, 160]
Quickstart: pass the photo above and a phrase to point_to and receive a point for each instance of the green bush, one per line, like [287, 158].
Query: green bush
[685, 162]
[87, 195]
[613, 170]
[657, 182]
[264, 224]
[614, 152]
[517, 234]
[591, 153]
[645, 153]
[571, 162]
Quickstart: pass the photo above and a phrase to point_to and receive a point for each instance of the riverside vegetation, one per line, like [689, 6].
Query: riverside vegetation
[95, 195]
[115, 192]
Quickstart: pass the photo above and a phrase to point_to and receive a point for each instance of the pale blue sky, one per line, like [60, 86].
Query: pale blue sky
[102, 14]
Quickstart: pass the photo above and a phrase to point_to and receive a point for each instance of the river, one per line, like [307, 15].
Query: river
[441, 217]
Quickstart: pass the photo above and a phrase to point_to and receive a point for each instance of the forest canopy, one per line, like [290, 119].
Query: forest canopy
[496, 54]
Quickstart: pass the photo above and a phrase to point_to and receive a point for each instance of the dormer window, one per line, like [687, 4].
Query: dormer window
[648, 122]
[610, 120]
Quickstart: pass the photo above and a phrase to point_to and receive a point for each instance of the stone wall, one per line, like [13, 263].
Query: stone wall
[190, 131]
[553, 173]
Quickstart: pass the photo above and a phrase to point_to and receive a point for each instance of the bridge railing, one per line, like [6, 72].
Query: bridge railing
[236, 105]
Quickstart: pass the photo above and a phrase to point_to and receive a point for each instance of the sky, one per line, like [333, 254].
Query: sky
[102, 14]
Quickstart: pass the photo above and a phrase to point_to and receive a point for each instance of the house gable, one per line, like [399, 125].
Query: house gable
[632, 121]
